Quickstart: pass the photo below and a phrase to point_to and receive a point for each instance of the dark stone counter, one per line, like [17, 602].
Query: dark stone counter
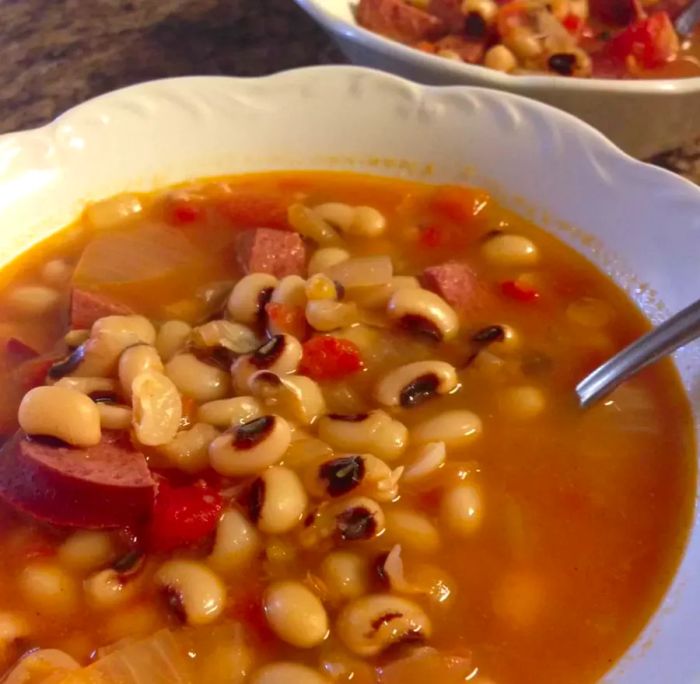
[56, 53]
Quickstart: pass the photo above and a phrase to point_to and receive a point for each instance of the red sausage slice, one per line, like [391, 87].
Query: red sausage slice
[108, 485]
[86, 307]
[398, 20]
[460, 287]
[266, 250]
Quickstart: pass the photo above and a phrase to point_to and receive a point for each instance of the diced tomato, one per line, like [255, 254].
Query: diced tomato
[519, 291]
[651, 42]
[432, 237]
[182, 516]
[330, 358]
[250, 209]
[458, 204]
[429, 500]
[287, 319]
[248, 610]
[183, 212]
[17, 352]
[572, 23]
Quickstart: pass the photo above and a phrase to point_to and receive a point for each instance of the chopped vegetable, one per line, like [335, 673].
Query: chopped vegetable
[183, 516]
[251, 209]
[362, 271]
[182, 211]
[330, 358]
[287, 319]
[651, 42]
[457, 203]
[519, 291]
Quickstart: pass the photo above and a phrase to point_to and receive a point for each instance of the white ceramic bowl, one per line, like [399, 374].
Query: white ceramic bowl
[642, 117]
[639, 223]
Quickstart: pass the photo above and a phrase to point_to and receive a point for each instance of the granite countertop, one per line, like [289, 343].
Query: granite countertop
[56, 53]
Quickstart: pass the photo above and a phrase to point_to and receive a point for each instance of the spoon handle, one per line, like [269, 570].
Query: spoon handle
[687, 20]
[666, 338]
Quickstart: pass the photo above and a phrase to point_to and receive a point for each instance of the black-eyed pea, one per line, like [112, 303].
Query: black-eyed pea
[87, 550]
[325, 315]
[426, 461]
[326, 257]
[310, 224]
[172, 337]
[361, 473]
[523, 402]
[375, 432]
[236, 544]
[109, 337]
[345, 575]
[523, 43]
[74, 338]
[354, 519]
[360, 220]
[108, 589]
[455, 428]
[281, 354]
[510, 251]
[295, 396]
[157, 408]
[277, 500]
[412, 530]
[485, 9]
[228, 660]
[371, 624]
[225, 413]
[247, 300]
[189, 449]
[32, 300]
[461, 509]
[306, 450]
[424, 312]
[251, 447]
[136, 360]
[102, 386]
[414, 383]
[47, 588]
[13, 627]
[500, 339]
[288, 673]
[196, 379]
[290, 291]
[60, 412]
[589, 312]
[114, 416]
[295, 614]
[194, 593]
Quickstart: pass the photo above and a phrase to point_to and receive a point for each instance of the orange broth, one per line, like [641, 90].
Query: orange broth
[584, 515]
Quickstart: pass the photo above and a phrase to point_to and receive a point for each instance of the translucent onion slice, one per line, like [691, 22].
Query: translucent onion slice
[362, 271]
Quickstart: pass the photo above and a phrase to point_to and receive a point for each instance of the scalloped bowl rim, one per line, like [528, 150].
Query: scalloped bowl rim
[155, 107]
[336, 24]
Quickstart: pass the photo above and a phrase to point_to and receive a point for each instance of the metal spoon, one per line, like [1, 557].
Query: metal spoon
[677, 331]
[688, 19]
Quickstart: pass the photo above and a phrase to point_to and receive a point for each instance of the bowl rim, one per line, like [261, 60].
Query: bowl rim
[319, 11]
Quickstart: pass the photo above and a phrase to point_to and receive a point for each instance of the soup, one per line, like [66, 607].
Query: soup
[582, 38]
[298, 428]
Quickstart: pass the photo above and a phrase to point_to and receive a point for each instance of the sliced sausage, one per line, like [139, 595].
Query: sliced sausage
[86, 307]
[449, 12]
[266, 250]
[398, 20]
[108, 485]
[618, 12]
[17, 352]
[459, 286]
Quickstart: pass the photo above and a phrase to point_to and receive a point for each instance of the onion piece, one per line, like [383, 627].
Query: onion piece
[130, 256]
[113, 211]
[362, 271]
[236, 337]
[39, 665]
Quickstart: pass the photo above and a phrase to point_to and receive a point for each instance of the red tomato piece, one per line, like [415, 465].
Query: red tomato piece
[458, 204]
[572, 23]
[248, 610]
[651, 42]
[250, 209]
[182, 515]
[287, 319]
[183, 212]
[431, 237]
[519, 291]
[330, 358]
